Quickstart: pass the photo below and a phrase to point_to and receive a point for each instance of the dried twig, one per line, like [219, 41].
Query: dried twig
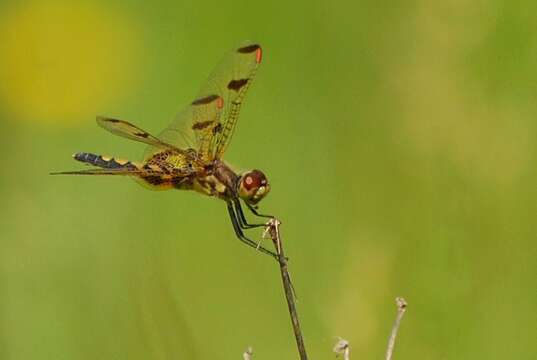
[342, 347]
[401, 308]
[273, 230]
[247, 355]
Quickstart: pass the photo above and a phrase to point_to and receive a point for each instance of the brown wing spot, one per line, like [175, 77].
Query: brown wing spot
[217, 129]
[112, 120]
[248, 49]
[237, 84]
[202, 125]
[142, 134]
[205, 100]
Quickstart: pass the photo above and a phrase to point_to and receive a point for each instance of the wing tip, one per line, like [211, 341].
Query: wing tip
[250, 48]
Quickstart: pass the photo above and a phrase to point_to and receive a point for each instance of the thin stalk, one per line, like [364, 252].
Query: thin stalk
[273, 229]
[401, 309]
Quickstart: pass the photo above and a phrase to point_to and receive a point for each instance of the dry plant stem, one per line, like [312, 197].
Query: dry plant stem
[273, 228]
[342, 347]
[401, 308]
[247, 355]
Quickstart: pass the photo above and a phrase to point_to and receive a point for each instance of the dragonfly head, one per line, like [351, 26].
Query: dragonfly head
[253, 186]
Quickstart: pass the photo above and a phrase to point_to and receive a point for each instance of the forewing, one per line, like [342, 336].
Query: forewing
[233, 77]
[207, 124]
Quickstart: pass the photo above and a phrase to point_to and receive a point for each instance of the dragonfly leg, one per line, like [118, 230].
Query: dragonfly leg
[253, 209]
[242, 219]
[241, 235]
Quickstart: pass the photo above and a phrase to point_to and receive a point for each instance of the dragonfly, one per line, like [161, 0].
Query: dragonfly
[188, 154]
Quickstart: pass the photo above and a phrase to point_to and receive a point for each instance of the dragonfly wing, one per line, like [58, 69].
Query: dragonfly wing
[129, 131]
[195, 127]
[233, 77]
[207, 124]
[131, 172]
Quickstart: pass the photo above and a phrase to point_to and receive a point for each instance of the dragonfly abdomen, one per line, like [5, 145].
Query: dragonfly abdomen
[103, 161]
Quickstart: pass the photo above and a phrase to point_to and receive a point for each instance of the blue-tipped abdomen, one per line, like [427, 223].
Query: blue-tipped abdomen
[103, 161]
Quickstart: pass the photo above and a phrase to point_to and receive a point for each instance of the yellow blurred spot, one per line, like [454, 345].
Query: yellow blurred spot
[63, 60]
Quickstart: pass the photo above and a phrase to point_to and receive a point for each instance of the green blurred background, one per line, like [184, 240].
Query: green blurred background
[399, 138]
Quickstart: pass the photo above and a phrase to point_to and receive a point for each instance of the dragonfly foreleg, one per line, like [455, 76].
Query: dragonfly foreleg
[242, 219]
[254, 211]
[242, 237]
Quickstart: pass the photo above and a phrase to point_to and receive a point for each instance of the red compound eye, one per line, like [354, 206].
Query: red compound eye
[253, 180]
